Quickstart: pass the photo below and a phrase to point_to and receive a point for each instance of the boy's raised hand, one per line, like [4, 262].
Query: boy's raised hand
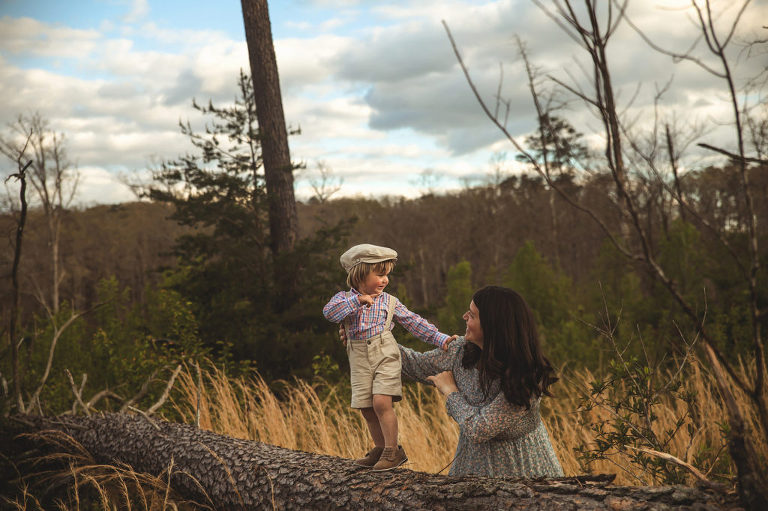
[448, 341]
[366, 300]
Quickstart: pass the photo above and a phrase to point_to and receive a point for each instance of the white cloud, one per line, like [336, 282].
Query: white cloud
[99, 186]
[139, 10]
[32, 37]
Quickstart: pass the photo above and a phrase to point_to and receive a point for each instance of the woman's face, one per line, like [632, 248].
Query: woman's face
[474, 333]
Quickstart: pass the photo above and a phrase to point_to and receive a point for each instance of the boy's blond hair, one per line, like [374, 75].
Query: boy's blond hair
[360, 271]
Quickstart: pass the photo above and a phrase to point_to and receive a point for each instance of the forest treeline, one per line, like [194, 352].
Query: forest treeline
[151, 300]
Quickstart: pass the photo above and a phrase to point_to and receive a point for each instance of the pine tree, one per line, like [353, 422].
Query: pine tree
[226, 268]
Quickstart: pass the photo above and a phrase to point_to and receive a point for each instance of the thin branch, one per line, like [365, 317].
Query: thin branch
[77, 392]
[733, 156]
[167, 390]
[529, 157]
[690, 468]
[143, 390]
[56, 336]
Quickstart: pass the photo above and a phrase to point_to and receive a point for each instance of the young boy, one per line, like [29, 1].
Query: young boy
[374, 357]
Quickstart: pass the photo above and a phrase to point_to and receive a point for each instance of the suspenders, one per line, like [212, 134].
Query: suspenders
[390, 314]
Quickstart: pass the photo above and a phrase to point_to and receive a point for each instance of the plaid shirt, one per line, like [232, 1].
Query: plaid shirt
[366, 322]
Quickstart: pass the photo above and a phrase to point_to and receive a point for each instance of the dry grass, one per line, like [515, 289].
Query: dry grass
[87, 485]
[301, 419]
[316, 418]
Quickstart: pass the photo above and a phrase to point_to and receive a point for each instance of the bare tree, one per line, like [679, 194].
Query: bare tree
[21, 177]
[324, 183]
[54, 179]
[592, 27]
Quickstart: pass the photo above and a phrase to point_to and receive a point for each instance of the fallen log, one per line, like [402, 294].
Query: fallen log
[228, 473]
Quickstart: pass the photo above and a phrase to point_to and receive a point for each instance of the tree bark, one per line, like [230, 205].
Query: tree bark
[278, 171]
[240, 474]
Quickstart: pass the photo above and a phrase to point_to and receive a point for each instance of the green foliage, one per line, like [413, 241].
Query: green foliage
[121, 346]
[550, 296]
[458, 294]
[225, 267]
[635, 393]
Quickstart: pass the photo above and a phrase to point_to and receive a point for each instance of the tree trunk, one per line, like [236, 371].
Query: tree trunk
[240, 474]
[16, 305]
[278, 171]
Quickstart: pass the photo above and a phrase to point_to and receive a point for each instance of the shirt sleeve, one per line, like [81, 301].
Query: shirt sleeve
[341, 306]
[417, 366]
[418, 326]
[481, 424]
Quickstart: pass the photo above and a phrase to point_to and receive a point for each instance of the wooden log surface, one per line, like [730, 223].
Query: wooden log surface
[229, 473]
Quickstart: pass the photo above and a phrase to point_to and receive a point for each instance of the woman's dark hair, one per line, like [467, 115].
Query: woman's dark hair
[511, 350]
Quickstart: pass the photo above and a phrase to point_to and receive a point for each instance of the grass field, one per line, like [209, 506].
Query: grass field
[317, 418]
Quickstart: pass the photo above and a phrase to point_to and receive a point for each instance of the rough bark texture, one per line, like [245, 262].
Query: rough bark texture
[241, 474]
[278, 171]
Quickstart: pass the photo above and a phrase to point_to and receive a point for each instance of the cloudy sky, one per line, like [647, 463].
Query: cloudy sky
[373, 85]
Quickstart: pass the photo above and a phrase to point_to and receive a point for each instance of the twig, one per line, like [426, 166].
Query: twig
[693, 470]
[199, 393]
[732, 155]
[146, 416]
[167, 390]
[143, 390]
[78, 393]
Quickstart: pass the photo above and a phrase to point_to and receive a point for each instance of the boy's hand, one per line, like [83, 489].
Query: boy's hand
[448, 341]
[366, 300]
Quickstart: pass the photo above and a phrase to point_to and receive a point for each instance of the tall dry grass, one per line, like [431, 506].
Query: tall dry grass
[315, 418]
[86, 485]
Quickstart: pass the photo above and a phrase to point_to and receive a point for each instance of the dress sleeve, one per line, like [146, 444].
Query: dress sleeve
[341, 306]
[417, 366]
[418, 326]
[481, 424]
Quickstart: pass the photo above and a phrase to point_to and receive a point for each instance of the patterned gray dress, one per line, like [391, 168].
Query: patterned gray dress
[496, 439]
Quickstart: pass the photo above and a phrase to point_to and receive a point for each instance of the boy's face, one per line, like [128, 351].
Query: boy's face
[374, 283]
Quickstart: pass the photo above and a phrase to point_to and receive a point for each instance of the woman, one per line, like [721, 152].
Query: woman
[493, 379]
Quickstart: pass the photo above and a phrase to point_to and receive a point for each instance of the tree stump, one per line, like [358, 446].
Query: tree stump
[229, 473]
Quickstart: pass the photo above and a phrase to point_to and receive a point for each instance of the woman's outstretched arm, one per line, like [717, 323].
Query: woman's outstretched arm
[417, 366]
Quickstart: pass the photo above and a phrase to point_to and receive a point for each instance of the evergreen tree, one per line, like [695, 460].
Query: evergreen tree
[226, 268]
[559, 142]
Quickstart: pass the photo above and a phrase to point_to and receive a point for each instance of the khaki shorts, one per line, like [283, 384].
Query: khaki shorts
[374, 366]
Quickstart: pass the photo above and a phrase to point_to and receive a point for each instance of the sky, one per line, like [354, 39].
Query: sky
[374, 86]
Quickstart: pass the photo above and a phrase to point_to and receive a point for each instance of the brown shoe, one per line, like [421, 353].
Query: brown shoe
[371, 457]
[391, 457]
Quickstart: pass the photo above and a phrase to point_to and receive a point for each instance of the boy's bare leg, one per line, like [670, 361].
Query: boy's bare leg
[373, 426]
[382, 406]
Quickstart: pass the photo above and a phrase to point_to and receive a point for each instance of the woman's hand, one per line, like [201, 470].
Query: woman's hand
[444, 382]
[343, 334]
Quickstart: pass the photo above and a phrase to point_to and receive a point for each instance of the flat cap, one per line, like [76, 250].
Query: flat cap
[366, 253]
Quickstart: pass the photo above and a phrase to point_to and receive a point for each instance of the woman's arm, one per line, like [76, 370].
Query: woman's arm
[481, 424]
[417, 366]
